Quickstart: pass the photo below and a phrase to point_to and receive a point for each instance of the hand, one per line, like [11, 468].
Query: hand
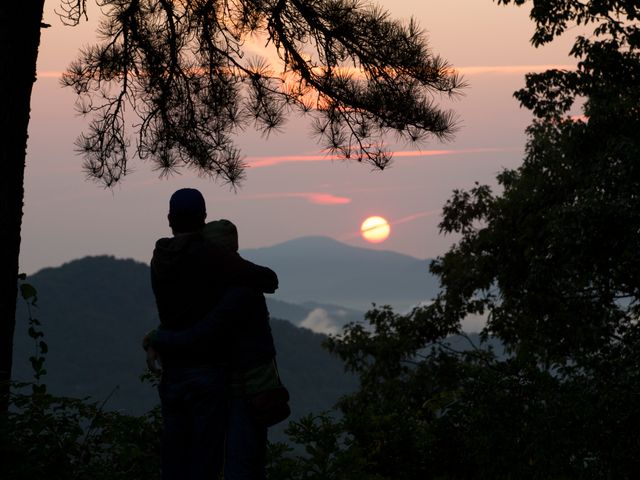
[148, 337]
[153, 360]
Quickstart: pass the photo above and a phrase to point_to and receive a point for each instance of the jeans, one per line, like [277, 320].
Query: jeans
[246, 444]
[194, 413]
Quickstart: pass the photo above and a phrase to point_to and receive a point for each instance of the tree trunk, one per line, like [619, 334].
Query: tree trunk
[20, 23]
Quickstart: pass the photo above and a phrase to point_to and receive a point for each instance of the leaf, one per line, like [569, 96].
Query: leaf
[39, 389]
[36, 364]
[28, 292]
[33, 333]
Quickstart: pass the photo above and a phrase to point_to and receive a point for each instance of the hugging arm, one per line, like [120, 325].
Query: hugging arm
[211, 329]
[238, 271]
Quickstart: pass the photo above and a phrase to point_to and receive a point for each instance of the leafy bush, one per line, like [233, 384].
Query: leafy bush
[46, 436]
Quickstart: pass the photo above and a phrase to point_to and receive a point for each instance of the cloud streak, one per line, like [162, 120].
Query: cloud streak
[317, 198]
[270, 161]
[510, 69]
[415, 216]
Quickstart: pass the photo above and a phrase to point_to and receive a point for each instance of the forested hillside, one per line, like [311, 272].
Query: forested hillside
[94, 312]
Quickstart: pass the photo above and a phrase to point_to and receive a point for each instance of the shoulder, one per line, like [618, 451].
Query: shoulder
[171, 252]
[161, 245]
[180, 244]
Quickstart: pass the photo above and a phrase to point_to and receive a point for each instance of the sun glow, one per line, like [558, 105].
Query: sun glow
[375, 229]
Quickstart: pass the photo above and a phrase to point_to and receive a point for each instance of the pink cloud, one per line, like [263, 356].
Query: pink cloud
[312, 197]
[259, 162]
[431, 153]
[327, 199]
[510, 69]
[487, 69]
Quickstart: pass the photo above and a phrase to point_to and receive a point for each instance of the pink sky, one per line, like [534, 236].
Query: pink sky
[292, 188]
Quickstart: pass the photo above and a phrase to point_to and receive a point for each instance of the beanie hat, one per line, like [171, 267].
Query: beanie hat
[223, 233]
[187, 201]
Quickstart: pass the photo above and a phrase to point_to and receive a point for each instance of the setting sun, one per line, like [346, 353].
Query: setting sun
[375, 229]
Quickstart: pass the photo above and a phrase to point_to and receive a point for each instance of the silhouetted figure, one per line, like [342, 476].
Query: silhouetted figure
[189, 276]
[241, 318]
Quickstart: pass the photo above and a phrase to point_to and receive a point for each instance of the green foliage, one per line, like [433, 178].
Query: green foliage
[449, 408]
[553, 258]
[615, 18]
[552, 262]
[67, 438]
[30, 296]
[321, 450]
[608, 67]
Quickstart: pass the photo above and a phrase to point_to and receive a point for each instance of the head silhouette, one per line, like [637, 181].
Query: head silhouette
[187, 211]
[223, 233]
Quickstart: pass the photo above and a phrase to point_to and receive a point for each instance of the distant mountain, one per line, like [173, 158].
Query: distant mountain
[323, 270]
[94, 312]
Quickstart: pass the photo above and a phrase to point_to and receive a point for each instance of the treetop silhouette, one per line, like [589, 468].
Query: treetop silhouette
[183, 70]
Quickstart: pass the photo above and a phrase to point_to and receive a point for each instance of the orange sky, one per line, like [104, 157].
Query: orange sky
[292, 189]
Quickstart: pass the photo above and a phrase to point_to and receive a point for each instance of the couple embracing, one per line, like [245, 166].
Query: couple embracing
[219, 387]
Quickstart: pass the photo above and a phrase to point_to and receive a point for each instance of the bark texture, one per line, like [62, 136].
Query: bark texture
[20, 24]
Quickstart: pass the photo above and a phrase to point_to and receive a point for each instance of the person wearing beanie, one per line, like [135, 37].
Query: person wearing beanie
[189, 276]
[187, 210]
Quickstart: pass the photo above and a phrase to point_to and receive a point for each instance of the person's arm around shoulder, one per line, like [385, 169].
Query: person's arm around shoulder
[238, 271]
[211, 329]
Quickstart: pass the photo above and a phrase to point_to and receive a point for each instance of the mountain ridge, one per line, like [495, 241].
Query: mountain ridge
[326, 241]
[94, 312]
[321, 269]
